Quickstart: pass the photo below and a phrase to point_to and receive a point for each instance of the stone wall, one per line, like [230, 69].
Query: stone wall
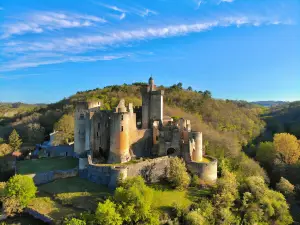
[151, 169]
[39, 216]
[206, 171]
[47, 177]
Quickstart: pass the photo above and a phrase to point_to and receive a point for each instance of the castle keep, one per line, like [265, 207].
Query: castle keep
[112, 138]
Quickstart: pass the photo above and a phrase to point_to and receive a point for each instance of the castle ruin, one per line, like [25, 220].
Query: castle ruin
[113, 138]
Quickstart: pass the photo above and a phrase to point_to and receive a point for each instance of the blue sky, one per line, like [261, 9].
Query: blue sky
[237, 49]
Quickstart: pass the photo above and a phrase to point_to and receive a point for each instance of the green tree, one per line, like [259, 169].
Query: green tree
[19, 190]
[35, 133]
[2, 141]
[106, 214]
[15, 141]
[178, 175]
[194, 218]
[135, 200]
[265, 153]
[287, 147]
[285, 187]
[65, 126]
[75, 221]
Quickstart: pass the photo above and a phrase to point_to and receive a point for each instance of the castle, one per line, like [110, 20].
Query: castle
[116, 137]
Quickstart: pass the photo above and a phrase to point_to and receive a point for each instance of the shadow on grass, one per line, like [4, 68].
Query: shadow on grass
[195, 194]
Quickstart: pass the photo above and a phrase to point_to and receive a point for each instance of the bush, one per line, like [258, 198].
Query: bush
[194, 218]
[19, 190]
[178, 175]
[285, 187]
[75, 221]
[106, 214]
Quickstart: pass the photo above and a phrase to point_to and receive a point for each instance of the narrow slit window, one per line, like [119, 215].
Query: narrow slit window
[122, 128]
[98, 125]
[97, 134]
[122, 117]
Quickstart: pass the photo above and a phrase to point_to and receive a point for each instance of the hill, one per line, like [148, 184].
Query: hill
[270, 103]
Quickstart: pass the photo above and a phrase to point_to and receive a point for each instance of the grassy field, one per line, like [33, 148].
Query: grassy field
[76, 192]
[45, 165]
[52, 209]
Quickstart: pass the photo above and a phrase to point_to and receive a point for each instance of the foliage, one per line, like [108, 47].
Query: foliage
[5, 149]
[194, 218]
[15, 141]
[35, 133]
[106, 214]
[65, 126]
[287, 146]
[135, 200]
[285, 187]
[262, 205]
[265, 153]
[2, 141]
[178, 175]
[19, 190]
[75, 221]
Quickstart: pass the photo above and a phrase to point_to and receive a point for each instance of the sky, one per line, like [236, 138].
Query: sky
[237, 49]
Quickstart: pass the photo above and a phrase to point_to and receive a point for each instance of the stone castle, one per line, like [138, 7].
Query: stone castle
[119, 136]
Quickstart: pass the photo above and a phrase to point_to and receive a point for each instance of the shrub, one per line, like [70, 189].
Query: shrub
[178, 175]
[19, 190]
[194, 218]
[285, 187]
[75, 221]
[106, 214]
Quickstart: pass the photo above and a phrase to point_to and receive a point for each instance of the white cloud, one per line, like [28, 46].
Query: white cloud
[41, 21]
[228, 1]
[87, 42]
[113, 7]
[198, 2]
[123, 15]
[30, 62]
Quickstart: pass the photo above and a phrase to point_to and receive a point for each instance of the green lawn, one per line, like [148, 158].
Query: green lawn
[76, 192]
[45, 165]
[165, 197]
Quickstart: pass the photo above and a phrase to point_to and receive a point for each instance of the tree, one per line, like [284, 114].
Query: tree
[134, 200]
[2, 141]
[285, 187]
[287, 147]
[19, 190]
[35, 133]
[65, 126]
[265, 153]
[5, 149]
[106, 214]
[178, 175]
[190, 88]
[207, 94]
[15, 141]
[75, 221]
[262, 205]
[194, 218]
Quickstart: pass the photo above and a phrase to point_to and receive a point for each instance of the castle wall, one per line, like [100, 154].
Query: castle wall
[100, 134]
[151, 170]
[206, 171]
[81, 117]
[156, 106]
[196, 150]
[141, 142]
[145, 109]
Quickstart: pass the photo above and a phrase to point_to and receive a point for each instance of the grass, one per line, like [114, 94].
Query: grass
[204, 160]
[165, 197]
[50, 208]
[76, 192]
[45, 165]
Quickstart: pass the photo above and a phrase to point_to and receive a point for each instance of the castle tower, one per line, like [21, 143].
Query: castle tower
[152, 106]
[197, 150]
[121, 126]
[81, 121]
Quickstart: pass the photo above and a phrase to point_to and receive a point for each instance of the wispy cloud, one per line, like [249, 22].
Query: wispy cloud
[198, 3]
[228, 1]
[112, 7]
[87, 42]
[41, 21]
[123, 15]
[27, 62]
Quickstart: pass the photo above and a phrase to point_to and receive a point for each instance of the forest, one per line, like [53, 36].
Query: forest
[257, 148]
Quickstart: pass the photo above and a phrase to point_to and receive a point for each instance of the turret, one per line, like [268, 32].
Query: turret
[152, 107]
[197, 150]
[120, 128]
[81, 119]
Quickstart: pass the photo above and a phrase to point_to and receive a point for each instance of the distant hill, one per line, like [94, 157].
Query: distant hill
[270, 103]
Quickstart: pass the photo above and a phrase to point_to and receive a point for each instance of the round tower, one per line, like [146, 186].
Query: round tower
[81, 119]
[119, 135]
[197, 152]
